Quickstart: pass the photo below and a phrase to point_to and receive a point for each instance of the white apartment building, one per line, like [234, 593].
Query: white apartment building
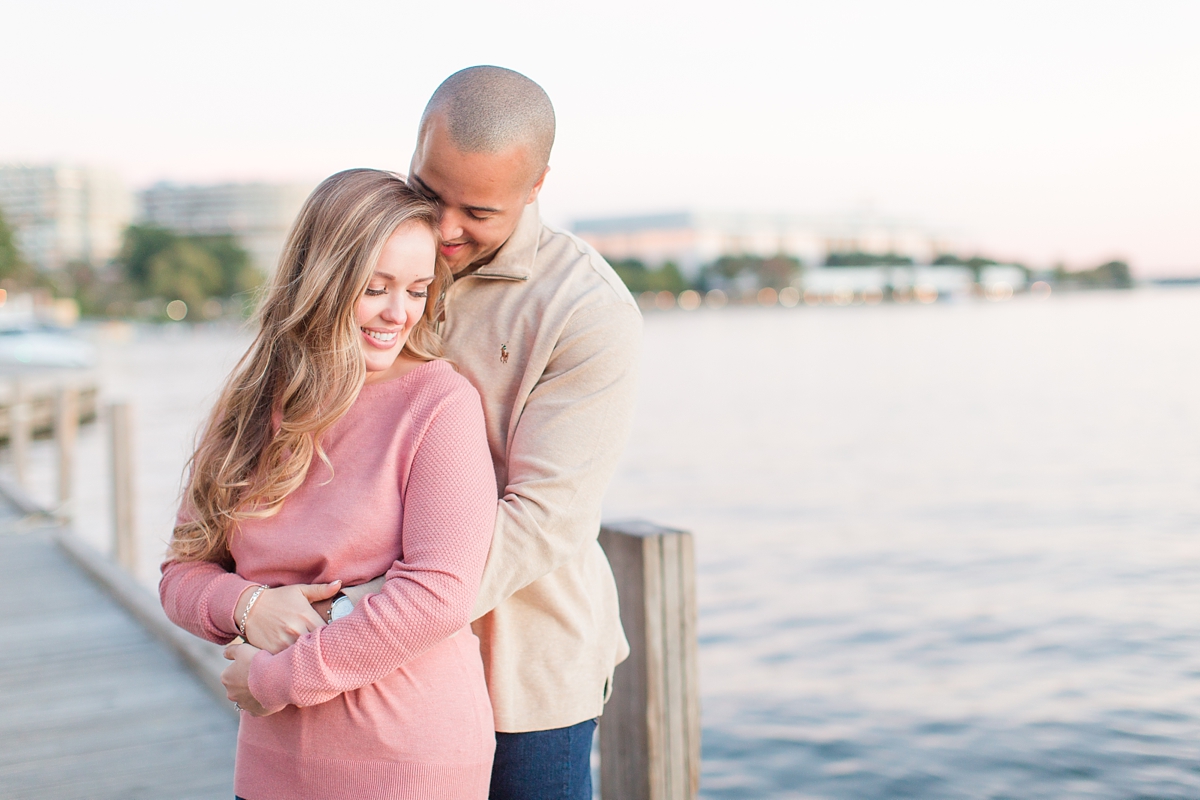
[693, 239]
[259, 215]
[60, 213]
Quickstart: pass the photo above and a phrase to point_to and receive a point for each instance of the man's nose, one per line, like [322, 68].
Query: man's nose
[450, 227]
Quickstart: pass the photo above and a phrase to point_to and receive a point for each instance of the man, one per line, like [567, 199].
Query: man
[549, 335]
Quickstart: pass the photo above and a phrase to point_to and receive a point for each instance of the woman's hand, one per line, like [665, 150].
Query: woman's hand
[236, 678]
[281, 616]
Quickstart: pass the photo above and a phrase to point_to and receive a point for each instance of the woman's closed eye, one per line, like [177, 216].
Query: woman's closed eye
[374, 292]
[419, 293]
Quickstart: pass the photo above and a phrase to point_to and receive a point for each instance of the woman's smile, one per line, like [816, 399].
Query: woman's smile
[382, 339]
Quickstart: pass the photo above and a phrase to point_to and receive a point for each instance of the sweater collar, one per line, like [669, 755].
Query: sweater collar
[514, 260]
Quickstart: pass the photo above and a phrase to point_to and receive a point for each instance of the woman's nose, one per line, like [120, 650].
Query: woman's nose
[393, 312]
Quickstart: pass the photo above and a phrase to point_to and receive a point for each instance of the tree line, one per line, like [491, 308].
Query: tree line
[153, 267]
[156, 265]
[746, 274]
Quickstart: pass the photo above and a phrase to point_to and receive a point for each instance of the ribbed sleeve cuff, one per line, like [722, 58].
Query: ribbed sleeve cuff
[270, 679]
[223, 600]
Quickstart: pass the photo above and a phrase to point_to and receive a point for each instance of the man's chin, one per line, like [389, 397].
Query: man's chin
[469, 260]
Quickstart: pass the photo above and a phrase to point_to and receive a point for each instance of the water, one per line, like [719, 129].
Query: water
[943, 552]
[946, 551]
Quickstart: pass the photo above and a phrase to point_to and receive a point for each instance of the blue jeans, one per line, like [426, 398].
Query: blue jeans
[544, 765]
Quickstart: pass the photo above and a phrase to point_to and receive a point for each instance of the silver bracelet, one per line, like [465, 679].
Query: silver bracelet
[250, 605]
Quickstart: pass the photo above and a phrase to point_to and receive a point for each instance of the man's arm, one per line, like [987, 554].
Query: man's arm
[564, 451]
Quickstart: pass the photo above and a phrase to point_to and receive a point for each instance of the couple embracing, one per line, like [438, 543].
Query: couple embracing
[396, 499]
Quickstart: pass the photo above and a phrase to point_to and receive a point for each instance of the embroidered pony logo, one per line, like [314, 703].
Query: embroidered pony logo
[504, 354]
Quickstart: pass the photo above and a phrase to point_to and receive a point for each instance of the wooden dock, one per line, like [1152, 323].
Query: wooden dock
[92, 705]
[102, 697]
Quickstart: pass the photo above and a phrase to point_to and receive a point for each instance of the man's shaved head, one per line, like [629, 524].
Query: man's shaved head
[491, 109]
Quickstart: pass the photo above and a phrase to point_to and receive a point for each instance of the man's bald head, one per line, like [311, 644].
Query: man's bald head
[491, 109]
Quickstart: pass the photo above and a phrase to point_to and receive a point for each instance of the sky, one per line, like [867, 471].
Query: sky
[1046, 132]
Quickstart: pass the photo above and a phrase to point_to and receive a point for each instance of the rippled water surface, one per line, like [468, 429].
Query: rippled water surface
[946, 551]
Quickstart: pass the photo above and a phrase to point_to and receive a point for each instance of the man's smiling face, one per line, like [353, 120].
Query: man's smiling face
[482, 194]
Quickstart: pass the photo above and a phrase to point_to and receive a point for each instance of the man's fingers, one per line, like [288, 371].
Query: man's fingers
[320, 591]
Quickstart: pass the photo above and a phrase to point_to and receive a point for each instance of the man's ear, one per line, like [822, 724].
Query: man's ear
[537, 187]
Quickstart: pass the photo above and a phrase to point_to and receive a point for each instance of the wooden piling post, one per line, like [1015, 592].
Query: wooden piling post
[20, 432]
[66, 429]
[120, 420]
[650, 731]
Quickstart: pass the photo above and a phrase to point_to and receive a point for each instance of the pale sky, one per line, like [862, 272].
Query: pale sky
[1039, 131]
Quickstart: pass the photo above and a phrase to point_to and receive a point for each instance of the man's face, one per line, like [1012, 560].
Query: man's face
[482, 194]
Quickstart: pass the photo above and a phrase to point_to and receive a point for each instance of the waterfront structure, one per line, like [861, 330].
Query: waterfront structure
[62, 214]
[257, 214]
[692, 239]
[997, 281]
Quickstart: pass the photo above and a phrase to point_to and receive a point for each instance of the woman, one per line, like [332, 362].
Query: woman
[342, 448]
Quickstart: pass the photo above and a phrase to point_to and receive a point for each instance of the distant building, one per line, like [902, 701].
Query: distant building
[997, 281]
[60, 214]
[693, 239]
[258, 214]
[944, 280]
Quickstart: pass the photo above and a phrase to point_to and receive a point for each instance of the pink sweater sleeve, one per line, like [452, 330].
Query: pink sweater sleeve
[200, 597]
[449, 510]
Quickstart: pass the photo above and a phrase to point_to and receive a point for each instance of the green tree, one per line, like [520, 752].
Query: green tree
[639, 278]
[858, 258]
[1115, 274]
[14, 269]
[185, 271]
[238, 273]
[776, 271]
[158, 263]
[1111, 275]
[138, 248]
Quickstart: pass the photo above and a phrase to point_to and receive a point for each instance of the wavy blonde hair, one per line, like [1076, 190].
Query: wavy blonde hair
[305, 367]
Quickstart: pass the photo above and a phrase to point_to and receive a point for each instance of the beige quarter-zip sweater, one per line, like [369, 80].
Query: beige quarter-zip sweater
[549, 336]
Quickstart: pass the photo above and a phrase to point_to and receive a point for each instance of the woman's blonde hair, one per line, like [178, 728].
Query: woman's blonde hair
[305, 367]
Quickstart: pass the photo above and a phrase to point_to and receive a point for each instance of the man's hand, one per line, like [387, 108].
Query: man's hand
[236, 678]
[281, 616]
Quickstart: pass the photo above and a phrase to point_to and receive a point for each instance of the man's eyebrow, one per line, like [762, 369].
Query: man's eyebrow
[431, 193]
[425, 187]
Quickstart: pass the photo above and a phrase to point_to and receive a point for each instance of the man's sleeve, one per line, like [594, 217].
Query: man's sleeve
[564, 451]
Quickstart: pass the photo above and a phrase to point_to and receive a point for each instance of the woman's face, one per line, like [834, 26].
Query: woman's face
[395, 299]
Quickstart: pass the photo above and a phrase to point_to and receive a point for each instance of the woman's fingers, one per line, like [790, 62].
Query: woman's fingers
[231, 651]
[284, 614]
[313, 619]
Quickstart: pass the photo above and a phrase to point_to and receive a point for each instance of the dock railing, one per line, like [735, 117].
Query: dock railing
[650, 730]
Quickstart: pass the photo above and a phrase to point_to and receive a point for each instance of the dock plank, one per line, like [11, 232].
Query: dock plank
[91, 705]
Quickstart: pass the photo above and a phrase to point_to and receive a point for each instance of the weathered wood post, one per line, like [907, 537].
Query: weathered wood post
[20, 431]
[120, 420]
[66, 429]
[650, 731]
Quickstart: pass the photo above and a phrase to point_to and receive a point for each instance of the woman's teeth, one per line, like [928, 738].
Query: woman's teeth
[379, 336]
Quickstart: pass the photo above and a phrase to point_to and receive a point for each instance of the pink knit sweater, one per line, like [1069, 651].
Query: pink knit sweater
[390, 701]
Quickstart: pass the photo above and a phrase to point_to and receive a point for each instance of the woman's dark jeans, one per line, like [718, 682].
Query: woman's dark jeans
[544, 765]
